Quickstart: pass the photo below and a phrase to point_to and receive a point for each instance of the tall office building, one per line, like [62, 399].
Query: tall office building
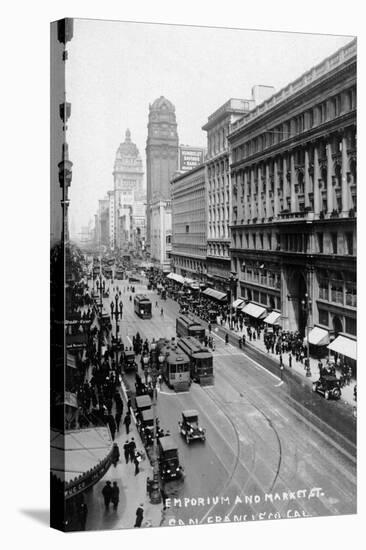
[161, 164]
[293, 219]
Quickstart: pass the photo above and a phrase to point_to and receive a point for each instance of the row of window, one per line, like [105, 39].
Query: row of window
[217, 140]
[341, 323]
[326, 110]
[329, 243]
[339, 292]
[267, 300]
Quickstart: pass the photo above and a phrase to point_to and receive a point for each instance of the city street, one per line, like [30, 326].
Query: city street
[273, 450]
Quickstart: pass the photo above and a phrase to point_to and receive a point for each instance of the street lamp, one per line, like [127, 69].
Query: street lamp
[99, 285]
[306, 304]
[232, 283]
[155, 494]
[116, 312]
[145, 360]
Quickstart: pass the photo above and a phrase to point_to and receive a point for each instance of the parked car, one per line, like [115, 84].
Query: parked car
[169, 466]
[189, 426]
[328, 386]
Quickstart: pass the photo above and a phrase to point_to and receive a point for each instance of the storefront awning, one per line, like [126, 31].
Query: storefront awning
[175, 277]
[79, 458]
[318, 337]
[273, 318]
[237, 303]
[253, 310]
[344, 346]
[212, 293]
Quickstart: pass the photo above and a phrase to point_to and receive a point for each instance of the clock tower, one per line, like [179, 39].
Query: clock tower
[161, 155]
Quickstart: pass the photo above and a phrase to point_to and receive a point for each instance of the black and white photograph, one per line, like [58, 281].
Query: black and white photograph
[203, 258]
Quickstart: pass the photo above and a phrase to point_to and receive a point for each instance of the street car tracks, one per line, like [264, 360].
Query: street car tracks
[249, 468]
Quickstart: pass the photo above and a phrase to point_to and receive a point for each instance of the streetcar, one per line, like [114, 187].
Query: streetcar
[142, 306]
[201, 360]
[119, 273]
[188, 327]
[107, 272]
[175, 367]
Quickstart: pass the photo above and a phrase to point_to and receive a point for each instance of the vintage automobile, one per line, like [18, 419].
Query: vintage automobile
[328, 386]
[129, 361]
[169, 466]
[143, 402]
[189, 427]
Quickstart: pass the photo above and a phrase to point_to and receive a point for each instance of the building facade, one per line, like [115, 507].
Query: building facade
[161, 164]
[128, 190]
[293, 179]
[189, 236]
[218, 190]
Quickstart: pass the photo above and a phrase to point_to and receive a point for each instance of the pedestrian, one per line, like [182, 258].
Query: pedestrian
[290, 360]
[129, 405]
[115, 495]
[161, 312]
[156, 304]
[127, 422]
[240, 342]
[118, 419]
[107, 493]
[139, 515]
[115, 454]
[132, 449]
[243, 340]
[112, 426]
[83, 514]
[136, 460]
[281, 360]
[209, 328]
[226, 339]
[126, 450]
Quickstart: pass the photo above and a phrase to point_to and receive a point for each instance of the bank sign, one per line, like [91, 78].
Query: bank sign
[190, 158]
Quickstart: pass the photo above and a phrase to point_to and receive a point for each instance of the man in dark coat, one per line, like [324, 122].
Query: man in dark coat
[139, 515]
[132, 449]
[115, 495]
[136, 463]
[118, 419]
[126, 450]
[127, 422]
[107, 493]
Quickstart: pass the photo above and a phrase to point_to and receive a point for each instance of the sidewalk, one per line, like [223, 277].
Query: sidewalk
[132, 489]
[297, 367]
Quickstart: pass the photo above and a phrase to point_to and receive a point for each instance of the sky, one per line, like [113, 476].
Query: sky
[116, 69]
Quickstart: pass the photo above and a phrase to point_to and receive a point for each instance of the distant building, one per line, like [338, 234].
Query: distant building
[161, 164]
[128, 175]
[218, 189]
[103, 222]
[293, 216]
[190, 157]
[188, 256]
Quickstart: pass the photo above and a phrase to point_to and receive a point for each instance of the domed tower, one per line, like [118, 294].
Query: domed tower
[128, 176]
[128, 172]
[161, 154]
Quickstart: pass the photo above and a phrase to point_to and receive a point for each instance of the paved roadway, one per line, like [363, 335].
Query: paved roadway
[273, 450]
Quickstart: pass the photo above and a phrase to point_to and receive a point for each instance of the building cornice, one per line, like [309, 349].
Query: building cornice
[329, 68]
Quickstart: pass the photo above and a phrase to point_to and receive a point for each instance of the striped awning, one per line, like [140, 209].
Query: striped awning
[175, 277]
[318, 337]
[273, 318]
[212, 293]
[344, 346]
[254, 310]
